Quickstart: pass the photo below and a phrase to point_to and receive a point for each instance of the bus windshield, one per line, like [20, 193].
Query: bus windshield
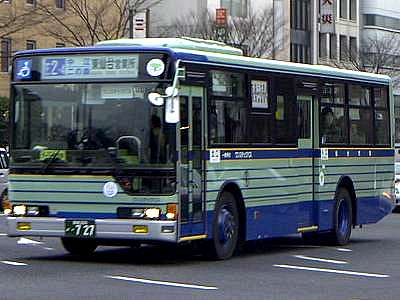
[90, 125]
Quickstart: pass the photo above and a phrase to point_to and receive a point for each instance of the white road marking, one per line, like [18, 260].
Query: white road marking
[13, 263]
[166, 283]
[24, 241]
[48, 248]
[353, 273]
[298, 246]
[3, 234]
[344, 250]
[331, 261]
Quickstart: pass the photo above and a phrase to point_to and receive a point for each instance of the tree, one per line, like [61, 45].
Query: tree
[379, 54]
[254, 34]
[16, 18]
[85, 22]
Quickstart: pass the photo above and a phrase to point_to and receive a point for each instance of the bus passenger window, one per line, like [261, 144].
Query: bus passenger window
[303, 118]
[333, 125]
[360, 126]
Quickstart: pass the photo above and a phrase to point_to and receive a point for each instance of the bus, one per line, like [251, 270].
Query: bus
[180, 140]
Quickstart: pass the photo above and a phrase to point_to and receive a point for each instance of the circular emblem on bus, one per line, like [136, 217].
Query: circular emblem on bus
[110, 189]
[155, 67]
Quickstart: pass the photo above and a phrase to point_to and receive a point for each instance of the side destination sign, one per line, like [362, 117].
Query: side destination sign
[90, 67]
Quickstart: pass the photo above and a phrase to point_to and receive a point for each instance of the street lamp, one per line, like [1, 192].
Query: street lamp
[130, 16]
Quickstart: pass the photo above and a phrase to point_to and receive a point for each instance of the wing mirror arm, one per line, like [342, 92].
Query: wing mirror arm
[170, 99]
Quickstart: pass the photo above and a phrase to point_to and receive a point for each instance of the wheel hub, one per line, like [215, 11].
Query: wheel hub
[226, 225]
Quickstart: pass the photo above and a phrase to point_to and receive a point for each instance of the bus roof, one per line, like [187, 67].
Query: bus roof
[218, 54]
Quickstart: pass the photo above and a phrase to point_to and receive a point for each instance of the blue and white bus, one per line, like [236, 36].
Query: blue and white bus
[178, 140]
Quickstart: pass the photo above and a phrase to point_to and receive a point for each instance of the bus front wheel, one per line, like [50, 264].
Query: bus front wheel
[79, 247]
[342, 219]
[225, 228]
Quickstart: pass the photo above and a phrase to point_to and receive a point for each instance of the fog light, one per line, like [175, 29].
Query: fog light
[152, 213]
[24, 226]
[167, 229]
[19, 210]
[172, 210]
[143, 229]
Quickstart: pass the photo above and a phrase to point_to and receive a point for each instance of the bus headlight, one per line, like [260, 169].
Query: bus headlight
[19, 210]
[32, 211]
[152, 213]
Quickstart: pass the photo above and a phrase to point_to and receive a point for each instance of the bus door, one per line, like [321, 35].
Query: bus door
[192, 203]
[306, 96]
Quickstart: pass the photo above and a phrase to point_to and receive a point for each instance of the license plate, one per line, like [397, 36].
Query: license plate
[80, 228]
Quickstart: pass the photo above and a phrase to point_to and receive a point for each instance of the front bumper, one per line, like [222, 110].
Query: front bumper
[105, 228]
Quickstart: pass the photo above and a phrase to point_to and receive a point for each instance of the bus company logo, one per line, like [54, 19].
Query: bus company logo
[110, 189]
[155, 67]
[24, 69]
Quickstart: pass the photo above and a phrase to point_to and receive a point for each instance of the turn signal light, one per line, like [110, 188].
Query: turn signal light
[172, 211]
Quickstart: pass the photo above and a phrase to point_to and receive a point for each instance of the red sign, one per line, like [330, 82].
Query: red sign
[221, 17]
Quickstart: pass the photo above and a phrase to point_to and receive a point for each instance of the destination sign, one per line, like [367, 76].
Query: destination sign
[90, 67]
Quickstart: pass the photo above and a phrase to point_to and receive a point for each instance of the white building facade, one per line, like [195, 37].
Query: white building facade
[381, 20]
[344, 40]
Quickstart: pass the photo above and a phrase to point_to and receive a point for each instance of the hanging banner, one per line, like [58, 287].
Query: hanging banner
[327, 19]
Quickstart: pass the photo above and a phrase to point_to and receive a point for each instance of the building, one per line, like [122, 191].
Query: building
[381, 25]
[343, 42]
[20, 31]
[297, 25]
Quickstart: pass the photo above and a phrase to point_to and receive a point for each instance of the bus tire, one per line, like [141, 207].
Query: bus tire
[79, 247]
[342, 219]
[225, 228]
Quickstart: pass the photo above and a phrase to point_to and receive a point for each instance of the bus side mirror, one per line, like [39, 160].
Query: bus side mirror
[172, 100]
[172, 110]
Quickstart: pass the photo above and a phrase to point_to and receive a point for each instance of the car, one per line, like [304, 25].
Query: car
[4, 159]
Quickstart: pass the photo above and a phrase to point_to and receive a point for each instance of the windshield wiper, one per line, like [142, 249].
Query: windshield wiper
[51, 160]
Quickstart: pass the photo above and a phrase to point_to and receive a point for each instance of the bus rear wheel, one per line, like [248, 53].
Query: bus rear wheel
[225, 228]
[342, 219]
[79, 247]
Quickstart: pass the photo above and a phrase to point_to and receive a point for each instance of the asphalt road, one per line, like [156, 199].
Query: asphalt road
[286, 268]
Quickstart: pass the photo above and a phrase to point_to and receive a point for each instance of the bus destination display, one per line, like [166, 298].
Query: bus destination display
[90, 67]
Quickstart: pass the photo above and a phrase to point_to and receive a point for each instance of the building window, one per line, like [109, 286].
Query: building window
[343, 9]
[30, 45]
[300, 14]
[300, 53]
[333, 46]
[353, 48]
[322, 45]
[353, 10]
[236, 8]
[382, 21]
[5, 54]
[343, 47]
[60, 4]
[60, 45]
[31, 2]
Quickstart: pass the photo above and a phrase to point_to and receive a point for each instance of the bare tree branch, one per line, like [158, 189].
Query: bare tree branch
[379, 54]
[254, 34]
[86, 22]
[15, 19]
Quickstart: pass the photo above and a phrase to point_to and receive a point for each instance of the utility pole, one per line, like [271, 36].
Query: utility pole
[130, 16]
